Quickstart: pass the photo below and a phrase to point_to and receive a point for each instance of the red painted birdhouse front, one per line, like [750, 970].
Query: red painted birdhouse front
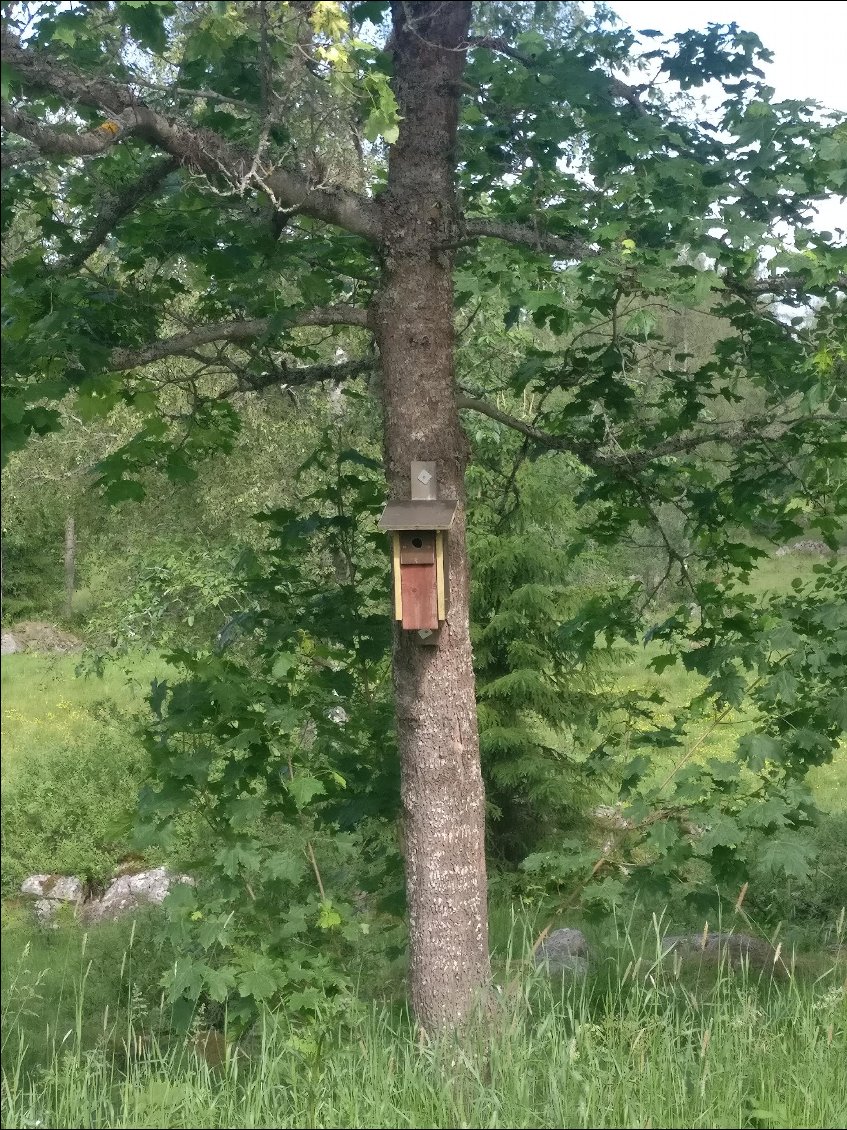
[418, 530]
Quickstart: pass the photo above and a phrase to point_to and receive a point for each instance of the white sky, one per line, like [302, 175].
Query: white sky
[808, 39]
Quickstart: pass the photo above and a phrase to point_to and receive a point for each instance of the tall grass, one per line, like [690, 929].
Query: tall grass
[644, 1047]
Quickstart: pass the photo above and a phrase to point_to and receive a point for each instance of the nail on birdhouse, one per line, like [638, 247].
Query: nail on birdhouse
[418, 531]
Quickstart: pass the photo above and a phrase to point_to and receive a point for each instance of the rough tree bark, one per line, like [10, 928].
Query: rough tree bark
[442, 790]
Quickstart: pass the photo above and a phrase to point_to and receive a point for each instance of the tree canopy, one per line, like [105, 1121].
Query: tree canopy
[209, 201]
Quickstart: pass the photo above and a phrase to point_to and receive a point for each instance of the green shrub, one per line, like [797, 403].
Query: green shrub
[814, 902]
[68, 807]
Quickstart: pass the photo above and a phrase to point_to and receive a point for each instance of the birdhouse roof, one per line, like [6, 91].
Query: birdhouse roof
[418, 515]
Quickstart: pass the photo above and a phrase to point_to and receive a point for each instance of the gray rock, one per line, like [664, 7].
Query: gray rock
[46, 910]
[8, 644]
[735, 949]
[130, 892]
[55, 888]
[808, 545]
[564, 951]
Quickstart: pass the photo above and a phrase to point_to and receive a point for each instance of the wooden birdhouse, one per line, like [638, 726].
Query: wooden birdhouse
[418, 531]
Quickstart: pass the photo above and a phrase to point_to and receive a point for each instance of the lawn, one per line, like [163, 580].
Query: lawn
[45, 703]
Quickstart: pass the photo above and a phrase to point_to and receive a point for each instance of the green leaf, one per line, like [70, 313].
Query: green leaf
[5, 81]
[261, 981]
[329, 916]
[286, 866]
[789, 855]
[66, 33]
[146, 22]
[725, 832]
[663, 835]
[304, 789]
[838, 710]
[285, 718]
[283, 664]
[784, 686]
[724, 771]
[124, 490]
[219, 982]
[239, 857]
[187, 978]
[757, 749]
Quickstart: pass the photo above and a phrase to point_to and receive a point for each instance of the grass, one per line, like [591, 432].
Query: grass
[45, 702]
[622, 1051]
[58, 981]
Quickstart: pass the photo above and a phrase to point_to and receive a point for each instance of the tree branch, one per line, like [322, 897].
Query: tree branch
[115, 210]
[199, 149]
[526, 236]
[242, 331]
[298, 377]
[617, 89]
[545, 439]
[730, 431]
[58, 143]
[782, 284]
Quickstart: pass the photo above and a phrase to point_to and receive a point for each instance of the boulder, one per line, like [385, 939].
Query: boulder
[128, 893]
[42, 638]
[736, 950]
[8, 644]
[46, 911]
[55, 888]
[808, 545]
[564, 951]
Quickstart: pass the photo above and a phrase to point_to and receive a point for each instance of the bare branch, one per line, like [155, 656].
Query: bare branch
[284, 377]
[242, 331]
[199, 149]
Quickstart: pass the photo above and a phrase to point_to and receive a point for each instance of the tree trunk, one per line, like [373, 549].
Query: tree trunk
[70, 565]
[442, 791]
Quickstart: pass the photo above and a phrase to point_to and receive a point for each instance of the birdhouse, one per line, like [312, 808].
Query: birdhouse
[418, 531]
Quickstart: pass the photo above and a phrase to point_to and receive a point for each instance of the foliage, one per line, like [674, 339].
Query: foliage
[280, 738]
[813, 900]
[537, 711]
[590, 208]
[778, 656]
[198, 528]
[173, 589]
